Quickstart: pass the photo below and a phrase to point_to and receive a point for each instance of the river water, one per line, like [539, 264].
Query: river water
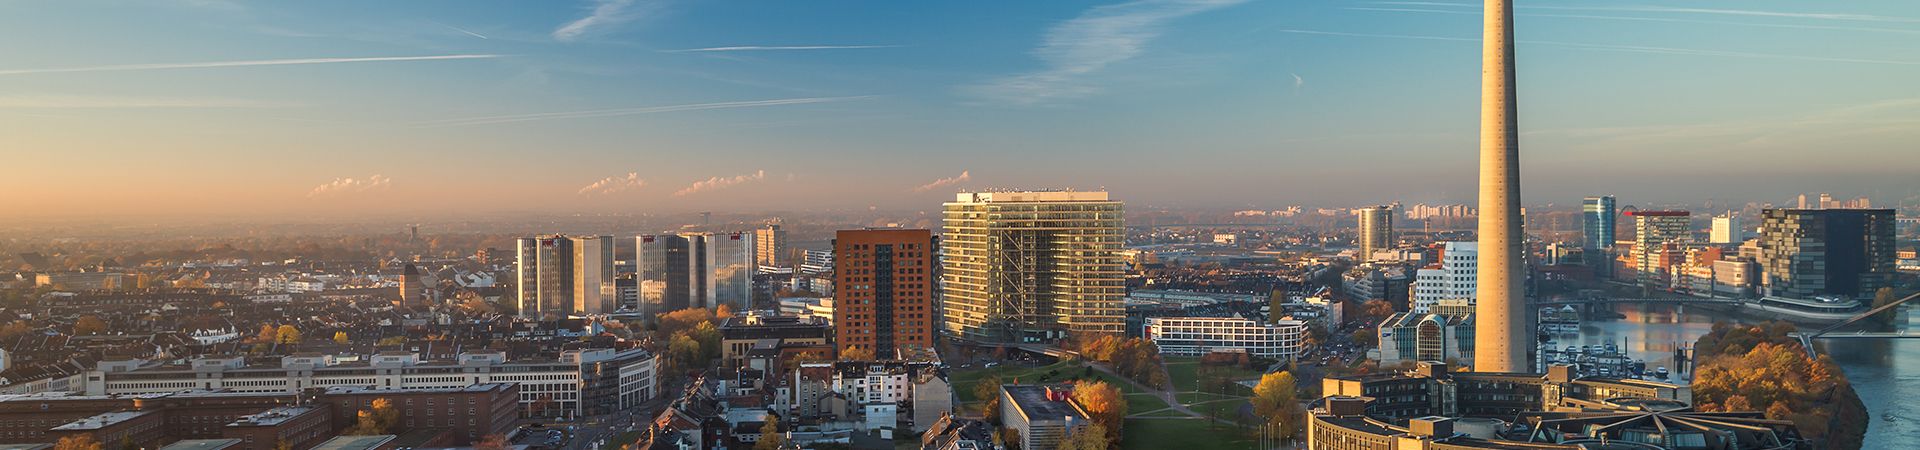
[1882, 371]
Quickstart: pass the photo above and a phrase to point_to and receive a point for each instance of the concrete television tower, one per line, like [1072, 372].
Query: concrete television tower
[1501, 338]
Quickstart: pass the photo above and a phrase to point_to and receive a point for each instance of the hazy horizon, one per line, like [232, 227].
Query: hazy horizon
[371, 109]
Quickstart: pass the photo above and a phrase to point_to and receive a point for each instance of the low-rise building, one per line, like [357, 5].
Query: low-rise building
[740, 333]
[467, 413]
[299, 427]
[1041, 415]
[1411, 336]
[1196, 336]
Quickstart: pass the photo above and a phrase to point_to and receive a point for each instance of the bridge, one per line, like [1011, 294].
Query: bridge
[1806, 339]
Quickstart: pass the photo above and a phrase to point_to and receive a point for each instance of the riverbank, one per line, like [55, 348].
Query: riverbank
[1761, 367]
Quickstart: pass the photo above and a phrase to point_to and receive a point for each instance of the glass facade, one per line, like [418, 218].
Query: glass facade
[1032, 266]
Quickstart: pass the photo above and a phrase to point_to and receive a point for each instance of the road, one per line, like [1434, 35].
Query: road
[598, 429]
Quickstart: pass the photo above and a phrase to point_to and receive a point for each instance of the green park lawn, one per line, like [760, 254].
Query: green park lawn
[1181, 434]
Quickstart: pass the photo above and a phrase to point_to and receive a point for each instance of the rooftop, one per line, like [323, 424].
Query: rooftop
[1032, 400]
[1031, 196]
[271, 417]
[476, 388]
[200, 444]
[355, 442]
[103, 420]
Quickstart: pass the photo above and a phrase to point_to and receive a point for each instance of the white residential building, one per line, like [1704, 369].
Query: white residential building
[1195, 336]
[1456, 276]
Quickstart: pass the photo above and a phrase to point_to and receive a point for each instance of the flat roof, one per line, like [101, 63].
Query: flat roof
[201, 444]
[271, 417]
[473, 388]
[355, 442]
[1032, 400]
[103, 420]
[25, 446]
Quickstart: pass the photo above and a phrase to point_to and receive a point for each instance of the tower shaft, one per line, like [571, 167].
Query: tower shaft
[1501, 337]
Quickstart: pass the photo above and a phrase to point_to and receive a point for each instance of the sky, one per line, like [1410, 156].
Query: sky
[228, 108]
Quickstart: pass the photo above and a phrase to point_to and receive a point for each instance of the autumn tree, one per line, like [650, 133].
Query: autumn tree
[286, 334]
[1275, 398]
[1093, 436]
[685, 352]
[378, 419]
[770, 437]
[15, 329]
[77, 442]
[89, 325]
[722, 312]
[1375, 311]
[856, 354]
[988, 389]
[491, 442]
[1104, 405]
[340, 337]
[282, 444]
[675, 322]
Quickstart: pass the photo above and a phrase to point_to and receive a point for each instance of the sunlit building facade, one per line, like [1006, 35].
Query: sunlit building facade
[1032, 266]
[560, 276]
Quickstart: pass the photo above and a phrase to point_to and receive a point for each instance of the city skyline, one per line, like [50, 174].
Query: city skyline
[429, 108]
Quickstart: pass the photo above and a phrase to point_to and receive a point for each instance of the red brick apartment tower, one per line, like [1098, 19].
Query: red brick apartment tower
[883, 291]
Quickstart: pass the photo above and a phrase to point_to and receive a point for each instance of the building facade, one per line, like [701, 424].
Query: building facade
[1376, 230]
[560, 276]
[770, 246]
[1455, 276]
[1197, 336]
[1655, 233]
[1426, 337]
[1032, 266]
[1598, 217]
[883, 291]
[1845, 253]
[694, 270]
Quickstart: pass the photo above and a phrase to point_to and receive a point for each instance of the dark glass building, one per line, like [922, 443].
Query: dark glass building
[1845, 253]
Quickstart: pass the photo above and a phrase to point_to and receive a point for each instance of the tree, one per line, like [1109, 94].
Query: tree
[14, 329]
[709, 338]
[89, 325]
[491, 442]
[286, 334]
[1011, 437]
[77, 442]
[282, 444]
[988, 389]
[378, 419]
[1104, 405]
[856, 354]
[1376, 310]
[1276, 398]
[340, 337]
[722, 312]
[1366, 337]
[685, 352]
[770, 437]
[1093, 436]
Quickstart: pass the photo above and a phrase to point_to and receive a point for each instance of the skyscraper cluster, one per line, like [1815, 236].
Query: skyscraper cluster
[560, 276]
[694, 270]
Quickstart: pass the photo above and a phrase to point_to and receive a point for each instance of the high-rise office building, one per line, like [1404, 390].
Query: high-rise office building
[694, 270]
[1504, 336]
[1726, 230]
[1654, 232]
[1376, 230]
[560, 276]
[1598, 219]
[883, 291]
[1845, 253]
[1032, 266]
[770, 246]
[1454, 276]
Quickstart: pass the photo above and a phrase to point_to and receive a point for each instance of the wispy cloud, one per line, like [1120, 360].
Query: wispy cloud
[58, 101]
[760, 48]
[1623, 48]
[1089, 43]
[248, 63]
[720, 183]
[610, 185]
[629, 111]
[350, 185]
[944, 182]
[1298, 82]
[605, 13]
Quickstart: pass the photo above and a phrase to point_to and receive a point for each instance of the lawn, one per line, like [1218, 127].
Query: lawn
[1144, 402]
[1185, 372]
[1181, 433]
[964, 379]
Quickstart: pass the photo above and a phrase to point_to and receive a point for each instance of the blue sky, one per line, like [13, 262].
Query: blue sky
[622, 106]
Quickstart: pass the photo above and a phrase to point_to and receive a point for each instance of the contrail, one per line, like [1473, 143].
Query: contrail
[750, 48]
[250, 63]
[628, 111]
[463, 30]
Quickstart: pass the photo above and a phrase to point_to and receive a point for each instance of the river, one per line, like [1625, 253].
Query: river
[1882, 371]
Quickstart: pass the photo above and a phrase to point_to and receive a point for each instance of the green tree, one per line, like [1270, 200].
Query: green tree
[685, 352]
